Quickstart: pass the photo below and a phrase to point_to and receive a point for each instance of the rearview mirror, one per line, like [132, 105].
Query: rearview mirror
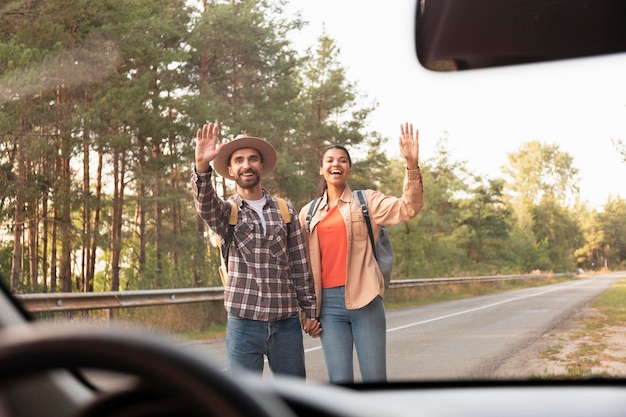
[452, 35]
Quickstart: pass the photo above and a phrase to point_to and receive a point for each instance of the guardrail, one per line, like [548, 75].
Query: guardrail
[60, 302]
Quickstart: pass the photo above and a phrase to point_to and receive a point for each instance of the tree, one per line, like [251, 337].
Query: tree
[592, 254]
[554, 226]
[487, 219]
[242, 73]
[45, 63]
[541, 180]
[429, 245]
[612, 222]
[538, 170]
[64, 64]
[331, 114]
[522, 253]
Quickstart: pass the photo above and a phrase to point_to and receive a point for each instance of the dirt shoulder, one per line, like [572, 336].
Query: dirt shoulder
[573, 350]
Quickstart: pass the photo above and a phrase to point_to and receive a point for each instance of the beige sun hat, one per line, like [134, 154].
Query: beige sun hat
[267, 151]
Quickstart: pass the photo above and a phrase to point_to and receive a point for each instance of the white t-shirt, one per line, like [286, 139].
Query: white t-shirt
[257, 205]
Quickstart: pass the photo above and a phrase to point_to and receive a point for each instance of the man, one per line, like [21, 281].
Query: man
[268, 275]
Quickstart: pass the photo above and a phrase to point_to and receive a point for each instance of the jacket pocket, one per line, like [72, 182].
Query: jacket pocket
[359, 228]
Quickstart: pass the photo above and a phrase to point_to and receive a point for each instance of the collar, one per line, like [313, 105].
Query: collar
[239, 201]
[345, 197]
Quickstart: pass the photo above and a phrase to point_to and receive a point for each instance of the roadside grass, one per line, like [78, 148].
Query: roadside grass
[592, 353]
[213, 331]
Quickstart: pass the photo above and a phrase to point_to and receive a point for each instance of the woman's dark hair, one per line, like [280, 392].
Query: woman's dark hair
[322, 186]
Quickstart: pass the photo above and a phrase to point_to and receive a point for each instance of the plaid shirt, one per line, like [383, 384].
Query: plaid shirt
[268, 275]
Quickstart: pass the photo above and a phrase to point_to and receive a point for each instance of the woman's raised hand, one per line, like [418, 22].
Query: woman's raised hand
[409, 145]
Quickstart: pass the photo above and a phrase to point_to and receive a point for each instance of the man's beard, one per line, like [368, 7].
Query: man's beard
[248, 185]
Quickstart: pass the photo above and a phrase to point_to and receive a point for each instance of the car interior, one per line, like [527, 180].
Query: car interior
[44, 366]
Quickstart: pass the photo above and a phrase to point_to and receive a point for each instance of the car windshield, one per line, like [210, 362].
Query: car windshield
[510, 269]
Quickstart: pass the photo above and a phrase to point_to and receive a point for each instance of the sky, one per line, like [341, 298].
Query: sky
[579, 105]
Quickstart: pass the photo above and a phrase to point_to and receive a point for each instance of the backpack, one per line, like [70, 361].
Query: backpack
[232, 222]
[383, 251]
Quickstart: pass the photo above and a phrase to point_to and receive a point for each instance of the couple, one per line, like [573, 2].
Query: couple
[269, 269]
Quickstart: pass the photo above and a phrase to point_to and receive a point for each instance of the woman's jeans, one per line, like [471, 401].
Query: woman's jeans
[365, 328]
[247, 341]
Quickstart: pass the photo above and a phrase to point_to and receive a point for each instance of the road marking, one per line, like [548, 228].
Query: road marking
[471, 310]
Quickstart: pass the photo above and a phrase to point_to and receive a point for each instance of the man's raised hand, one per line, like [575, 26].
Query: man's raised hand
[206, 146]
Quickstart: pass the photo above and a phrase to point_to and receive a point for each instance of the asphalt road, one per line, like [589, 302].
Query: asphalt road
[462, 339]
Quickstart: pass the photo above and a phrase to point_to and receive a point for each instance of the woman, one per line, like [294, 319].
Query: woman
[348, 282]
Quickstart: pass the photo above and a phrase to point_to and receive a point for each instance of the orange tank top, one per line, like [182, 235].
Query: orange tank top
[333, 241]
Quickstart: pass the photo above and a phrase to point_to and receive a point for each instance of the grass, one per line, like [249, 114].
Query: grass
[552, 352]
[213, 331]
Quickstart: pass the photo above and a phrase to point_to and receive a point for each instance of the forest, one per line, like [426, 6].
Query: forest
[100, 103]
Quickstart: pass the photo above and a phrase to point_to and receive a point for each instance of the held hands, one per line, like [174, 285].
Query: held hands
[312, 327]
[409, 145]
[206, 146]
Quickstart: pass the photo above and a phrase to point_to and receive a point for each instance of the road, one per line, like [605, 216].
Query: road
[469, 338]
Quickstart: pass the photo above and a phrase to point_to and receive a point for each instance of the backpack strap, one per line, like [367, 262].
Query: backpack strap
[234, 214]
[232, 222]
[225, 245]
[234, 218]
[360, 195]
[284, 210]
[311, 212]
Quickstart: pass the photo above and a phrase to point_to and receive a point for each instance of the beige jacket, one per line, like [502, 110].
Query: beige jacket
[363, 278]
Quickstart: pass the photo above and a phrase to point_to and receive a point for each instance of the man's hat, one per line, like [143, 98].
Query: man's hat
[267, 151]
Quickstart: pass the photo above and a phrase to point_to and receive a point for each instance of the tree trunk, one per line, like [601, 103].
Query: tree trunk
[64, 189]
[33, 256]
[65, 222]
[44, 234]
[141, 227]
[95, 237]
[158, 223]
[16, 264]
[175, 215]
[53, 251]
[86, 218]
[199, 256]
[117, 218]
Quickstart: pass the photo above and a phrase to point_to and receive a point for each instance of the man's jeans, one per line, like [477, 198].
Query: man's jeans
[247, 341]
[365, 328]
